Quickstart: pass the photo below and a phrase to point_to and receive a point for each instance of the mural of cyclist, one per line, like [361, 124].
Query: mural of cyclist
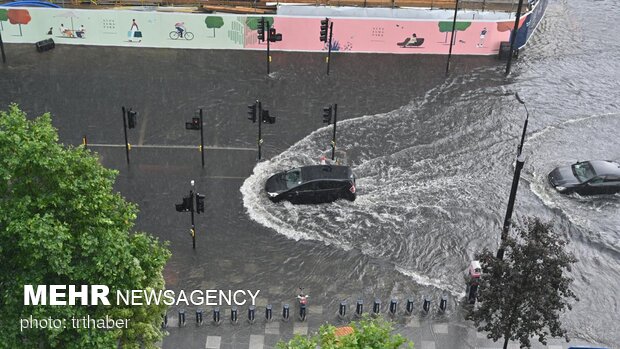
[180, 27]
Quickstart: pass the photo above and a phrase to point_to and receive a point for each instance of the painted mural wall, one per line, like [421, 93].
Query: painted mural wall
[227, 31]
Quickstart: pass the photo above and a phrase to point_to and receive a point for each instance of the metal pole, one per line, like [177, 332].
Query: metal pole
[125, 129]
[329, 49]
[456, 10]
[85, 142]
[191, 199]
[2, 49]
[511, 203]
[334, 136]
[260, 122]
[268, 56]
[202, 141]
[513, 37]
[524, 124]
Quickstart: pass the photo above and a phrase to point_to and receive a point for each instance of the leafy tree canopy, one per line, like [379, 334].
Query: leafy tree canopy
[523, 295]
[62, 223]
[214, 22]
[368, 333]
[252, 22]
[447, 26]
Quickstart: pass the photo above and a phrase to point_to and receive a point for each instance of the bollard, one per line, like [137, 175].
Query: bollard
[409, 306]
[216, 316]
[268, 312]
[342, 310]
[251, 313]
[393, 306]
[199, 317]
[443, 303]
[376, 307]
[359, 308]
[285, 312]
[233, 315]
[426, 306]
[181, 317]
[164, 324]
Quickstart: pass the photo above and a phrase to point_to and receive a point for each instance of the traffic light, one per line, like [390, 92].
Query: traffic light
[200, 203]
[261, 29]
[131, 118]
[186, 206]
[252, 112]
[273, 36]
[327, 115]
[268, 119]
[194, 125]
[324, 26]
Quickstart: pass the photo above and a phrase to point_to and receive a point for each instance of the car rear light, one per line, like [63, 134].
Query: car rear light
[352, 189]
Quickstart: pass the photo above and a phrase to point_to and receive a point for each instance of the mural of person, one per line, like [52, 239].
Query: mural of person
[81, 33]
[65, 31]
[483, 34]
[134, 32]
[180, 27]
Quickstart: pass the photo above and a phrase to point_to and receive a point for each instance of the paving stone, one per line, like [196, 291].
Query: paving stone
[413, 322]
[272, 327]
[300, 328]
[440, 328]
[428, 345]
[256, 341]
[315, 309]
[213, 342]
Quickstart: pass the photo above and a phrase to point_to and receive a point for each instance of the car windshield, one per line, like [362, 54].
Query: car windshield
[292, 178]
[583, 171]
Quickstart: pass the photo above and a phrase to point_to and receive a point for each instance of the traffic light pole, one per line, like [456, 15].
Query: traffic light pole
[260, 123]
[268, 55]
[334, 135]
[193, 231]
[329, 51]
[202, 141]
[456, 10]
[2, 49]
[125, 129]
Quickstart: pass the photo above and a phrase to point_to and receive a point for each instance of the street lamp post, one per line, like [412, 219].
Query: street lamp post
[515, 183]
[513, 37]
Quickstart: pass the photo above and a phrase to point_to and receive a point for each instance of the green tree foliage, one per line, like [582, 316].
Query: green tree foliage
[252, 22]
[214, 22]
[523, 295]
[4, 16]
[368, 333]
[62, 223]
[446, 27]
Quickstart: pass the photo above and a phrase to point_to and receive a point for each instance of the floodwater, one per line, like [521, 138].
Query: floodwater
[434, 175]
[433, 156]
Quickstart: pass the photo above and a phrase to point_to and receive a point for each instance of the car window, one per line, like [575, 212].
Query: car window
[583, 171]
[292, 178]
[596, 180]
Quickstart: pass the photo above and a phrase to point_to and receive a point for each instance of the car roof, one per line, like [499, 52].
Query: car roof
[334, 172]
[605, 168]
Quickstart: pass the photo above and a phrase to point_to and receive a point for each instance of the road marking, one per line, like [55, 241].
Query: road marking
[428, 345]
[163, 146]
[272, 327]
[440, 328]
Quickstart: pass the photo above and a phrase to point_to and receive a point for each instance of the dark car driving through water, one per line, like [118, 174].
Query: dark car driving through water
[587, 178]
[312, 184]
